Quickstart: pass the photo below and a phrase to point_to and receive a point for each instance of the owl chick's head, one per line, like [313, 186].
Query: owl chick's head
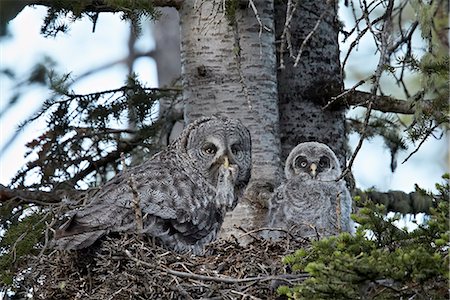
[210, 142]
[312, 160]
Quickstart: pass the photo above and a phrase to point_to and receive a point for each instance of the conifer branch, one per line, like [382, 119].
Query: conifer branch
[102, 6]
[398, 201]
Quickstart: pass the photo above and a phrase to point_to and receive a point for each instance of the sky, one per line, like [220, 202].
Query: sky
[81, 50]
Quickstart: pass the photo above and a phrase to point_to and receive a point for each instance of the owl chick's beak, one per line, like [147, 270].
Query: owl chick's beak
[313, 168]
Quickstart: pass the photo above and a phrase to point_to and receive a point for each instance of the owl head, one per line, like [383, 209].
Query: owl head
[312, 160]
[210, 142]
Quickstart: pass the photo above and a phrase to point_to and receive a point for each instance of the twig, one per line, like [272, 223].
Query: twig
[290, 9]
[258, 18]
[420, 144]
[264, 229]
[360, 142]
[119, 291]
[182, 291]
[224, 279]
[261, 25]
[48, 227]
[308, 37]
[244, 295]
[344, 93]
[385, 42]
[21, 237]
[136, 202]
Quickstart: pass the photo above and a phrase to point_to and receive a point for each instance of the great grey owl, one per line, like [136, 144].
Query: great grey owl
[184, 191]
[311, 201]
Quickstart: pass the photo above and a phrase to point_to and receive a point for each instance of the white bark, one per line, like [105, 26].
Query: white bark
[230, 68]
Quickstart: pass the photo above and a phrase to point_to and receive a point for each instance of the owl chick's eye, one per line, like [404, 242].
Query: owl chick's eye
[324, 162]
[209, 149]
[301, 162]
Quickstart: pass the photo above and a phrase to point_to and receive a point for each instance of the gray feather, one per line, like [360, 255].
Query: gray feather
[184, 191]
[310, 202]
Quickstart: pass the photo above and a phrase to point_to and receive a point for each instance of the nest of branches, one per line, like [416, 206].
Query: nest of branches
[131, 267]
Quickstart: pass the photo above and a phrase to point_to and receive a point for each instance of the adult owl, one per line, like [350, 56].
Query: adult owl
[183, 191]
[311, 201]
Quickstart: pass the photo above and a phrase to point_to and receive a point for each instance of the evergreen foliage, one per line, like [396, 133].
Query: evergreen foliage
[24, 235]
[86, 133]
[63, 12]
[83, 143]
[381, 261]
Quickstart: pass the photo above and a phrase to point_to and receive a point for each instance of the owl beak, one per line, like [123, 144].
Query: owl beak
[313, 168]
[226, 163]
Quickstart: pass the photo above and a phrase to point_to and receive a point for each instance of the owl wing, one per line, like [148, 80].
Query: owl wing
[108, 211]
[175, 208]
[181, 210]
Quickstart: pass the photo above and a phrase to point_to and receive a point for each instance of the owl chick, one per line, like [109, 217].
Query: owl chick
[311, 201]
[183, 191]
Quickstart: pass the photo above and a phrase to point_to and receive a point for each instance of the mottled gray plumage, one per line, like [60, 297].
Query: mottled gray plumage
[311, 199]
[184, 191]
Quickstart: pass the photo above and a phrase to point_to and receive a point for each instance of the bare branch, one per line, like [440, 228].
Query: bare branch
[285, 40]
[36, 197]
[360, 142]
[385, 41]
[429, 132]
[102, 162]
[384, 103]
[344, 93]
[308, 37]
[224, 279]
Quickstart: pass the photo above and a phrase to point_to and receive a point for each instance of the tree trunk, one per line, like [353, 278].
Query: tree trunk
[166, 33]
[304, 90]
[229, 68]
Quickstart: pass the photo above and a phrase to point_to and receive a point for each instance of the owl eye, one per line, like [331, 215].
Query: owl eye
[324, 162]
[301, 162]
[209, 149]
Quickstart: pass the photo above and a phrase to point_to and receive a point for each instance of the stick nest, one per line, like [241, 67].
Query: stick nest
[129, 267]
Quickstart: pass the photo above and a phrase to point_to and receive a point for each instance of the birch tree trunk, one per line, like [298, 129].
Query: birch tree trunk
[229, 67]
[304, 90]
